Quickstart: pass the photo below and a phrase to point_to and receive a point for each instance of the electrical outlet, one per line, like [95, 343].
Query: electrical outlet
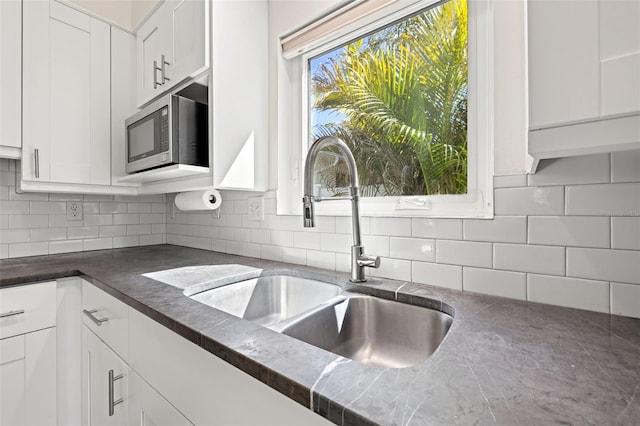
[74, 210]
[256, 209]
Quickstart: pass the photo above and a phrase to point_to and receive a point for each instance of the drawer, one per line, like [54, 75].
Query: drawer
[107, 317]
[27, 308]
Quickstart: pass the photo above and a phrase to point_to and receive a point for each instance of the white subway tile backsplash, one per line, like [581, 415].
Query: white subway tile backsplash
[131, 241]
[242, 234]
[251, 250]
[149, 240]
[47, 207]
[443, 229]
[112, 207]
[66, 246]
[22, 221]
[306, 240]
[48, 234]
[271, 253]
[502, 229]
[14, 207]
[294, 255]
[4, 251]
[83, 232]
[90, 207]
[529, 201]
[625, 299]
[126, 219]
[617, 199]
[412, 249]
[282, 238]
[525, 258]
[27, 196]
[321, 259]
[601, 264]
[97, 244]
[113, 231]
[4, 221]
[28, 249]
[464, 253]
[7, 179]
[625, 233]
[437, 274]
[11, 236]
[159, 228]
[376, 245]
[97, 220]
[572, 170]
[336, 243]
[391, 226]
[151, 218]
[495, 283]
[625, 166]
[509, 181]
[219, 245]
[570, 292]
[344, 225]
[395, 269]
[260, 236]
[578, 231]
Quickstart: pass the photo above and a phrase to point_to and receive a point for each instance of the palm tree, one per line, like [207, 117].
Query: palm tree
[403, 92]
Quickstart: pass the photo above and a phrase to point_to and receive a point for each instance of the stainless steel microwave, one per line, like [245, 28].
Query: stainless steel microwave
[172, 130]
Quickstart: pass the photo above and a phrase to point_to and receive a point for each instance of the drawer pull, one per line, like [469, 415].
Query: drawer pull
[12, 313]
[112, 403]
[97, 321]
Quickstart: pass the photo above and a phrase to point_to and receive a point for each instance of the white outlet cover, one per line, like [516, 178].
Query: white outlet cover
[74, 210]
[256, 209]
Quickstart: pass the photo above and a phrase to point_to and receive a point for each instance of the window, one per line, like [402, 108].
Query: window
[403, 89]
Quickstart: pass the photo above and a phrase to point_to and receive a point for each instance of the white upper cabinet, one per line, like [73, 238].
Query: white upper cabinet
[584, 77]
[66, 96]
[239, 93]
[10, 78]
[171, 46]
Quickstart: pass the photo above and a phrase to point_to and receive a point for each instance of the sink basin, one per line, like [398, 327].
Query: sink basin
[373, 331]
[269, 300]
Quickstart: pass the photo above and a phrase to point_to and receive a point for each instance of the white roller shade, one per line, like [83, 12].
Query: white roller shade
[347, 17]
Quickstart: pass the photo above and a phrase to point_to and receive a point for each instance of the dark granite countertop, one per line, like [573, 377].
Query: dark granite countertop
[502, 362]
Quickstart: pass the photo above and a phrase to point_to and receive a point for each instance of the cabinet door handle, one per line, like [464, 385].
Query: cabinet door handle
[112, 403]
[163, 70]
[155, 74]
[12, 313]
[36, 155]
[96, 321]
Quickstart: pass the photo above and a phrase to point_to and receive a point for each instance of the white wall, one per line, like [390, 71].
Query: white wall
[33, 224]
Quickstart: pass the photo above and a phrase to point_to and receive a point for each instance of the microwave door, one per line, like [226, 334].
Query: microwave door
[147, 142]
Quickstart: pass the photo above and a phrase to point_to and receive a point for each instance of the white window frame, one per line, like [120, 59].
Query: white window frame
[293, 126]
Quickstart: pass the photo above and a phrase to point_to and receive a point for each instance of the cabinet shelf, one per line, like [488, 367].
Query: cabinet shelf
[169, 172]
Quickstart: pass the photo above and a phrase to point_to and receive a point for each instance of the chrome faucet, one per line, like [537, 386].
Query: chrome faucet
[359, 260]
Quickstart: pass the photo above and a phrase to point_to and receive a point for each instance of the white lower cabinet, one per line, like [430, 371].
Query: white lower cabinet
[105, 377]
[28, 355]
[148, 408]
[207, 390]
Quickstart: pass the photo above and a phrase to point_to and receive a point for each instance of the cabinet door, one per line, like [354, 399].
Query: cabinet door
[105, 379]
[66, 95]
[154, 40]
[563, 61]
[10, 73]
[28, 379]
[190, 36]
[148, 408]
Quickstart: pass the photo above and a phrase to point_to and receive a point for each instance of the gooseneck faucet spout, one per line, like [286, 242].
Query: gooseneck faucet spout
[359, 260]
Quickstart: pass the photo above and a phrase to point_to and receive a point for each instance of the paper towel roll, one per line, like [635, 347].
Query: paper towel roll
[208, 199]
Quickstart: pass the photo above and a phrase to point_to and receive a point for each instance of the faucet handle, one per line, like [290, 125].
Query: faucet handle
[369, 261]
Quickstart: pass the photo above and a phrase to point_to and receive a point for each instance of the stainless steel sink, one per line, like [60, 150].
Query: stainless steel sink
[364, 328]
[269, 300]
[373, 331]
